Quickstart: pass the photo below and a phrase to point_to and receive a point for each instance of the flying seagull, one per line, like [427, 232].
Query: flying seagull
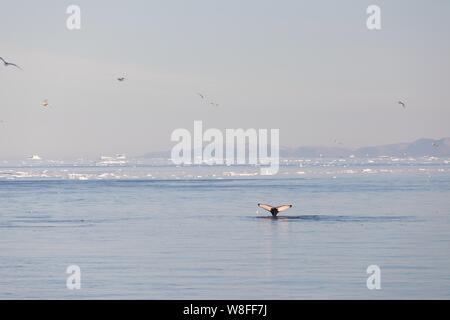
[121, 79]
[45, 103]
[274, 210]
[435, 144]
[402, 104]
[7, 64]
[203, 97]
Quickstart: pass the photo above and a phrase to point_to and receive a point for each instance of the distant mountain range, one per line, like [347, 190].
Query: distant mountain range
[418, 148]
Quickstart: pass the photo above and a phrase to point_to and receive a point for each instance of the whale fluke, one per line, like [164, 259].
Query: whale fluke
[274, 210]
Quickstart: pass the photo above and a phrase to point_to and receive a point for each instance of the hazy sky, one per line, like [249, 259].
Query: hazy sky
[310, 68]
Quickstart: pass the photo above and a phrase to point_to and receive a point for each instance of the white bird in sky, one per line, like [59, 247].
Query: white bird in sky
[45, 103]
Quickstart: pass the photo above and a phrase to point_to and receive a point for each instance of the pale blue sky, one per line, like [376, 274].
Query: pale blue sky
[311, 69]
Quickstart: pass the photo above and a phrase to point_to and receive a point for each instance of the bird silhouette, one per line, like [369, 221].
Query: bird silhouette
[7, 64]
[121, 79]
[402, 104]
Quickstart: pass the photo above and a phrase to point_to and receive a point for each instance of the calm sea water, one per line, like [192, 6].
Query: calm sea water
[161, 232]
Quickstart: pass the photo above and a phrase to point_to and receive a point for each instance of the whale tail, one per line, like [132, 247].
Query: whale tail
[274, 210]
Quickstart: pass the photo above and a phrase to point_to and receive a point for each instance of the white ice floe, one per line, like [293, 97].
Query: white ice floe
[237, 174]
[118, 159]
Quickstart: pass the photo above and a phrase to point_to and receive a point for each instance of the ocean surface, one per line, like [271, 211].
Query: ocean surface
[150, 230]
